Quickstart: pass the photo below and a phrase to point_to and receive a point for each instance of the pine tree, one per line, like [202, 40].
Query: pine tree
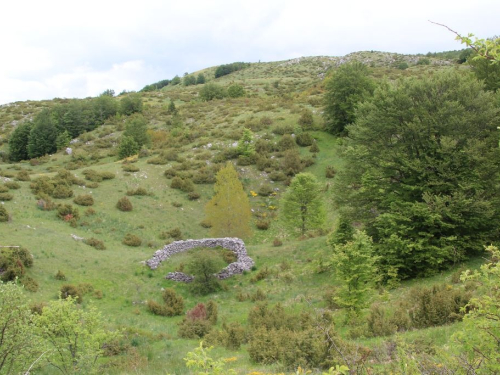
[229, 209]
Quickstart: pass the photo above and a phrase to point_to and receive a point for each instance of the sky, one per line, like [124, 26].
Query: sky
[76, 49]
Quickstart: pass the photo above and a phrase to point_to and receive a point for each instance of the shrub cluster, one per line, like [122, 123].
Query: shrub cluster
[131, 240]
[94, 176]
[198, 321]
[84, 200]
[138, 191]
[173, 304]
[13, 262]
[424, 307]
[94, 242]
[124, 204]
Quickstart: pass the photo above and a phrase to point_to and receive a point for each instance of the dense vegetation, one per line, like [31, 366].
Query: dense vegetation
[362, 221]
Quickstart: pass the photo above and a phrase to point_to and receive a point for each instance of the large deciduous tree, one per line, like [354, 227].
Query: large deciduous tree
[43, 135]
[18, 142]
[349, 85]
[302, 206]
[229, 209]
[422, 175]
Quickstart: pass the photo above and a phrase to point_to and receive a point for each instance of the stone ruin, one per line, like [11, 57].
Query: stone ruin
[236, 245]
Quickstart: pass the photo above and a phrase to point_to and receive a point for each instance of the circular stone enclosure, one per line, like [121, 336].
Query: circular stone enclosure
[236, 245]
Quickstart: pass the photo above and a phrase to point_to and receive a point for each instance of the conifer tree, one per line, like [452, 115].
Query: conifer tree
[302, 205]
[229, 209]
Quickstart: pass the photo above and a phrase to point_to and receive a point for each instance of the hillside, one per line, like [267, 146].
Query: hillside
[192, 143]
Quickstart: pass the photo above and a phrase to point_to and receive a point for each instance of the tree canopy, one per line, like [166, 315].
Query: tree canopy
[345, 88]
[426, 178]
[303, 207]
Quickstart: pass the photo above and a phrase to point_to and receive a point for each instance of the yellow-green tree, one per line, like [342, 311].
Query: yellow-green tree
[229, 209]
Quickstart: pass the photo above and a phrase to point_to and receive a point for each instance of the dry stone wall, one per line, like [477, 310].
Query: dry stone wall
[236, 245]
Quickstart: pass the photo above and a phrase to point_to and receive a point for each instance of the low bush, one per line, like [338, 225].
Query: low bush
[193, 195]
[3, 189]
[30, 284]
[437, 305]
[287, 142]
[131, 240]
[12, 185]
[94, 242]
[62, 191]
[6, 197]
[130, 168]
[283, 129]
[304, 139]
[84, 200]
[198, 321]
[92, 175]
[265, 190]
[23, 175]
[174, 303]
[60, 275]
[67, 212]
[124, 204]
[73, 291]
[138, 191]
[262, 224]
[330, 171]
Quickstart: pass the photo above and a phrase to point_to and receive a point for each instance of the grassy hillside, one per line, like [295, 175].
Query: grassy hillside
[277, 93]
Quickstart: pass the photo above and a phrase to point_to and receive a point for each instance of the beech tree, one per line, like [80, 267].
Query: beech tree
[422, 175]
[349, 85]
[18, 142]
[303, 207]
[229, 209]
[43, 134]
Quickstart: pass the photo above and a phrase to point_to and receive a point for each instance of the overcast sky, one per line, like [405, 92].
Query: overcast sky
[75, 49]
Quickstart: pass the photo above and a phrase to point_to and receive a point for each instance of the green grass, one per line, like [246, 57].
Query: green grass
[278, 90]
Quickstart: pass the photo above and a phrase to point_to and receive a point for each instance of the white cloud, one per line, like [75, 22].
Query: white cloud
[75, 49]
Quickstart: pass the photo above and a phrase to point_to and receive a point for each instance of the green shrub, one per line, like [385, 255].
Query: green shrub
[287, 142]
[131, 240]
[84, 200]
[304, 139]
[73, 291]
[67, 212]
[277, 242]
[198, 321]
[193, 195]
[12, 185]
[265, 190]
[174, 303]
[261, 275]
[306, 119]
[283, 129]
[107, 175]
[203, 267]
[3, 189]
[235, 91]
[437, 305]
[6, 197]
[175, 233]
[23, 175]
[30, 284]
[330, 171]
[262, 224]
[314, 147]
[232, 336]
[92, 175]
[124, 204]
[157, 308]
[130, 168]
[291, 163]
[62, 191]
[138, 191]
[60, 275]
[94, 242]
[229, 256]
[379, 323]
